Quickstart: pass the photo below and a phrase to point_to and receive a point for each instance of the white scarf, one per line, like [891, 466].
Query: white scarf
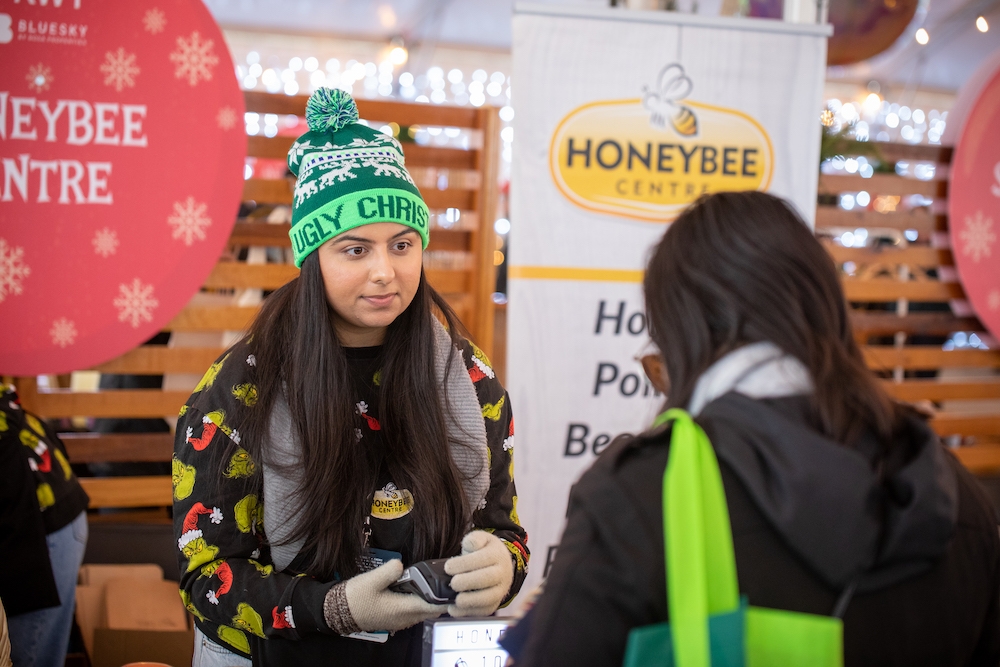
[758, 370]
[466, 436]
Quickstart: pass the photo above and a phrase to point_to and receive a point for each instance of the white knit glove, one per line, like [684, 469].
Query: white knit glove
[482, 575]
[364, 602]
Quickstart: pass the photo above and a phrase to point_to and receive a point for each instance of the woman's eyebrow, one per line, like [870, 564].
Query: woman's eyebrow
[353, 239]
[349, 238]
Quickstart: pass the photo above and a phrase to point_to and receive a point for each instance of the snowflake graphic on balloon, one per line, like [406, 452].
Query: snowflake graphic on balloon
[154, 21]
[226, 118]
[978, 237]
[135, 303]
[993, 300]
[194, 58]
[39, 77]
[105, 242]
[13, 270]
[63, 332]
[161, 59]
[189, 220]
[119, 69]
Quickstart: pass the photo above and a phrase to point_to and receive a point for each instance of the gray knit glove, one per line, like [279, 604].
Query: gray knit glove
[482, 575]
[364, 602]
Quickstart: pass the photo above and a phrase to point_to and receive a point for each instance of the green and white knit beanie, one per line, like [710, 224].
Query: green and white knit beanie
[348, 175]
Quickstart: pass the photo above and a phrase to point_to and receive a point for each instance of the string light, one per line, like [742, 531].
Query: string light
[398, 55]
[922, 36]
[872, 103]
[981, 24]
[383, 78]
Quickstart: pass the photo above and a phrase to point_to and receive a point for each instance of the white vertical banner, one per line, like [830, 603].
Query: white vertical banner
[623, 119]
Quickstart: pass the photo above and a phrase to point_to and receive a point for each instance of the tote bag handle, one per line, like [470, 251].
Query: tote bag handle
[700, 563]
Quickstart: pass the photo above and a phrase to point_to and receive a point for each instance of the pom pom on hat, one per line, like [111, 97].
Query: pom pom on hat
[330, 109]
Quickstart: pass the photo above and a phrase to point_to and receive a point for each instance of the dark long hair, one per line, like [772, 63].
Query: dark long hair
[742, 267]
[298, 353]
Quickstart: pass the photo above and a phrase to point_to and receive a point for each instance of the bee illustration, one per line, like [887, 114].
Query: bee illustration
[663, 103]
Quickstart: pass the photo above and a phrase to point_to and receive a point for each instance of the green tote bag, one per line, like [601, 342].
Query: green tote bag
[710, 624]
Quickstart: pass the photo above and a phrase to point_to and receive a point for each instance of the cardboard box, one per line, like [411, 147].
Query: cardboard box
[89, 613]
[139, 604]
[114, 648]
[98, 575]
[129, 613]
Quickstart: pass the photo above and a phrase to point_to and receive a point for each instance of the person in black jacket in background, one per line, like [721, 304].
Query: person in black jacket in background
[43, 535]
[830, 484]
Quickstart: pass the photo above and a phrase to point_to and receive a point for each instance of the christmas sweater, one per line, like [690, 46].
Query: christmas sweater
[39, 495]
[228, 579]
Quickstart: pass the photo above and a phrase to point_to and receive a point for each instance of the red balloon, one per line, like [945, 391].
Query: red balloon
[121, 172]
[974, 205]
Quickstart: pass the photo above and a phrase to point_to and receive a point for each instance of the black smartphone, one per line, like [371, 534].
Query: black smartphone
[428, 580]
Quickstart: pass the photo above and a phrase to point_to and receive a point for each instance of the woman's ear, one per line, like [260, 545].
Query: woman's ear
[656, 371]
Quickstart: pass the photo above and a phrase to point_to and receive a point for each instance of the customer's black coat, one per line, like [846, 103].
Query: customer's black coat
[31, 455]
[931, 595]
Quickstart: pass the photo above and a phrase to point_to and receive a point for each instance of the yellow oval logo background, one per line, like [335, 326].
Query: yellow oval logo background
[623, 165]
[392, 503]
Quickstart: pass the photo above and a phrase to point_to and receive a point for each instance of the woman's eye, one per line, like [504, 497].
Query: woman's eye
[402, 245]
[356, 251]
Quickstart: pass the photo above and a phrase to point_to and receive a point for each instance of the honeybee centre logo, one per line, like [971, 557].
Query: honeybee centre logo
[650, 157]
[391, 502]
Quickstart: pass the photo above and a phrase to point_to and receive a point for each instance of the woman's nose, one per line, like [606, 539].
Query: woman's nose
[381, 270]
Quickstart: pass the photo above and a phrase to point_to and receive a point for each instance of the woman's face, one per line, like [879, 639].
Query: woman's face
[371, 274]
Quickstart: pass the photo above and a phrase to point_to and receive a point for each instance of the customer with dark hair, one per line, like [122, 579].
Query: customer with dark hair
[347, 425]
[43, 535]
[831, 486]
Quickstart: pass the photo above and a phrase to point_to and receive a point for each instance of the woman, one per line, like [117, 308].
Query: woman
[348, 434]
[43, 524]
[830, 485]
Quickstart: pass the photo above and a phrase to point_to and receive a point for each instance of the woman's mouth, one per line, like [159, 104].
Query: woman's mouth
[380, 301]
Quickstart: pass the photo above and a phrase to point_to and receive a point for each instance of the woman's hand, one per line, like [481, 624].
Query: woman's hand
[482, 575]
[364, 602]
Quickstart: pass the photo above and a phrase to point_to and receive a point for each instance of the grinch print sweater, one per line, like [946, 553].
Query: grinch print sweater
[39, 494]
[229, 581]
